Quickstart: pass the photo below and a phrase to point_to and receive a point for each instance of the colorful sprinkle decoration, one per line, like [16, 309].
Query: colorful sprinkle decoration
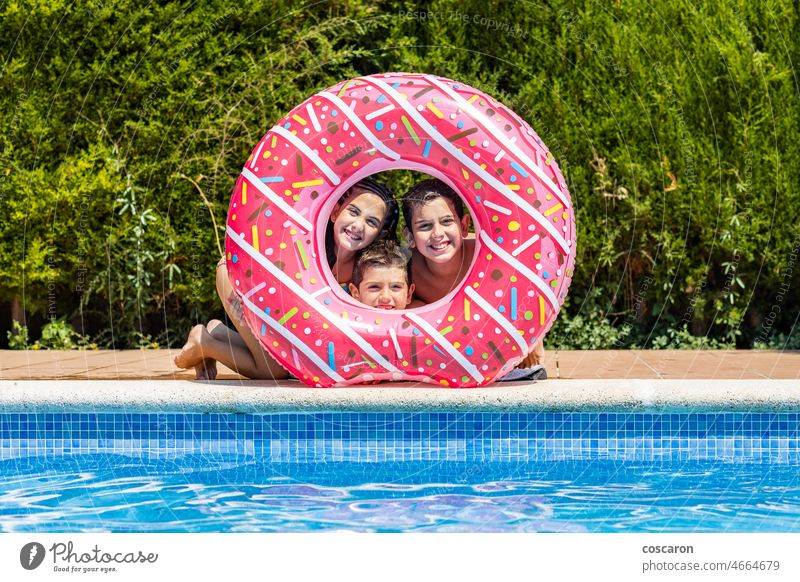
[510, 182]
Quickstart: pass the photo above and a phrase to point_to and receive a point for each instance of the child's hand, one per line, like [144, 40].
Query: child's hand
[236, 307]
[534, 357]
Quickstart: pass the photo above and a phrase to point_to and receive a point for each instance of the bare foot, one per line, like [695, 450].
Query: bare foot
[206, 370]
[192, 353]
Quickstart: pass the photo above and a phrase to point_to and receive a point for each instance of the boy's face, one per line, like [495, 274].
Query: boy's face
[384, 288]
[437, 230]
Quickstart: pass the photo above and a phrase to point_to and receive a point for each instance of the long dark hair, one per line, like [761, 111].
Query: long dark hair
[389, 226]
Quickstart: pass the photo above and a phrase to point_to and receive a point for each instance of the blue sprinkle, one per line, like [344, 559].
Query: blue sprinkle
[513, 178]
[263, 329]
[477, 198]
[272, 179]
[460, 124]
[381, 99]
[267, 310]
[427, 149]
[456, 85]
[287, 125]
[499, 240]
[519, 169]
[545, 274]
[268, 213]
[415, 331]
[395, 85]
[379, 125]
[327, 301]
[334, 113]
[235, 259]
[469, 350]
[502, 309]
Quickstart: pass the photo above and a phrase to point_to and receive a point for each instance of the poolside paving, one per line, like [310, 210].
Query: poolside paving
[567, 365]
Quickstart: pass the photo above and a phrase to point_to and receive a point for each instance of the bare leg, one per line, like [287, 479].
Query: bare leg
[245, 354]
[241, 352]
[207, 369]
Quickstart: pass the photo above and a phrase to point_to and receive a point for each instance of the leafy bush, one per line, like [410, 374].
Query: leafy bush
[18, 337]
[126, 122]
[56, 335]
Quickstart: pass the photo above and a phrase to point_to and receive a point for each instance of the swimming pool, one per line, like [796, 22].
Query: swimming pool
[400, 471]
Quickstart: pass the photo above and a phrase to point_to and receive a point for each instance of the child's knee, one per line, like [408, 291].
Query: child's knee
[213, 324]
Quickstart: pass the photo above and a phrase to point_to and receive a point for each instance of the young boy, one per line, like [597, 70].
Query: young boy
[437, 224]
[382, 277]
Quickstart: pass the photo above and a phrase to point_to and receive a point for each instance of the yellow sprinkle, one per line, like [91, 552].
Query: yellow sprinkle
[435, 110]
[265, 155]
[465, 174]
[244, 192]
[541, 310]
[282, 245]
[255, 238]
[513, 186]
[472, 99]
[552, 209]
[513, 225]
[466, 309]
[299, 119]
[306, 183]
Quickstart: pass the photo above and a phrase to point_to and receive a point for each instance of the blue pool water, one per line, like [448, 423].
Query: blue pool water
[400, 472]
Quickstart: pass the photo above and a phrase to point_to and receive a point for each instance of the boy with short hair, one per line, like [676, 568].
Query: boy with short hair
[382, 277]
[437, 224]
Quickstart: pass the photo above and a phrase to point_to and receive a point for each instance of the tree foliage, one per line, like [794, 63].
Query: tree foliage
[125, 123]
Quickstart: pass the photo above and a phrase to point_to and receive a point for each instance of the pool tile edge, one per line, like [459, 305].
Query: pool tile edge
[255, 397]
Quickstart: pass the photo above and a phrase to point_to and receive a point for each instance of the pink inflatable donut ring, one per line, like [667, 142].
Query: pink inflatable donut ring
[281, 206]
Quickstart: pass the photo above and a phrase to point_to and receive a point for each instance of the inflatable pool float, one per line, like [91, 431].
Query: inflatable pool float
[280, 209]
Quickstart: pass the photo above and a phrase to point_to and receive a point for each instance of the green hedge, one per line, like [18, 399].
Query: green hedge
[124, 125]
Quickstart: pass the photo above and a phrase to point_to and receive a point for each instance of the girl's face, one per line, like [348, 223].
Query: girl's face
[357, 221]
[437, 231]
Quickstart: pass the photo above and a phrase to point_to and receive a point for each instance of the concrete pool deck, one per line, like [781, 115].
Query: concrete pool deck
[147, 381]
